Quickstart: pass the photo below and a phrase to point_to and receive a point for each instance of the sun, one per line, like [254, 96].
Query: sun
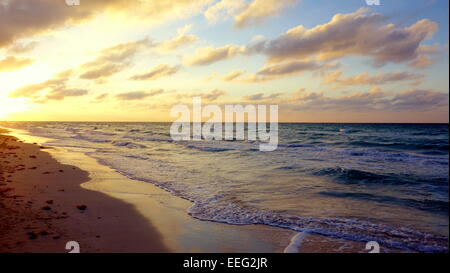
[9, 106]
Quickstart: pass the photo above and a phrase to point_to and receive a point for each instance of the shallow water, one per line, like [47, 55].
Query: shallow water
[362, 182]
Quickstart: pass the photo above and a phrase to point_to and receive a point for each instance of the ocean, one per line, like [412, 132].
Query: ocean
[362, 182]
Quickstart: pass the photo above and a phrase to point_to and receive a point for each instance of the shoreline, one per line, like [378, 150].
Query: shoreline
[156, 220]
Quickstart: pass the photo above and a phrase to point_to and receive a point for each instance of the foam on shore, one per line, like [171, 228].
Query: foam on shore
[295, 243]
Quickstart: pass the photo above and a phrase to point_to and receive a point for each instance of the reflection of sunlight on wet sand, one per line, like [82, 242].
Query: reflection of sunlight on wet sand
[23, 135]
[9, 106]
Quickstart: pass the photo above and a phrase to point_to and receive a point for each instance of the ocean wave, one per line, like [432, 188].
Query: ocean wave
[294, 145]
[354, 176]
[439, 146]
[130, 145]
[435, 206]
[289, 167]
[213, 209]
[90, 139]
[210, 149]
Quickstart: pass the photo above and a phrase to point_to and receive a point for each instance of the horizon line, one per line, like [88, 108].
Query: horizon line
[280, 122]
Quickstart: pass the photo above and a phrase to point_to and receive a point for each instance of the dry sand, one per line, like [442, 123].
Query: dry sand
[41, 208]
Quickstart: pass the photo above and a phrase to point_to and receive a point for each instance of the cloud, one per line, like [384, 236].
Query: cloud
[259, 10]
[32, 90]
[102, 71]
[137, 95]
[20, 48]
[22, 18]
[273, 72]
[101, 97]
[355, 101]
[354, 34]
[180, 40]
[261, 96]
[213, 94]
[112, 60]
[122, 52]
[157, 72]
[419, 100]
[431, 49]
[208, 96]
[224, 9]
[422, 62]
[289, 68]
[11, 63]
[366, 79]
[62, 93]
[232, 75]
[375, 99]
[246, 13]
[208, 55]
[52, 89]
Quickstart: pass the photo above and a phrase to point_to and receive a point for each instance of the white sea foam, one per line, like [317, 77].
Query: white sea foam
[295, 243]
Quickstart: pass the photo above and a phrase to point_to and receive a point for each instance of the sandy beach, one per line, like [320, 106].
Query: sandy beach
[45, 204]
[43, 207]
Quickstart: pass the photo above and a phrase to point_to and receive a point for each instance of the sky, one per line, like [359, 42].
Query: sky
[318, 60]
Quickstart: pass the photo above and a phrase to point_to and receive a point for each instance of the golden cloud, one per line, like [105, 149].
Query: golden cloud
[157, 72]
[259, 10]
[24, 18]
[138, 95]
[112, 60]
[208, 55]
[11, 63]
[354, 34]
[52, 89]
[180, 40]
[367, 79]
